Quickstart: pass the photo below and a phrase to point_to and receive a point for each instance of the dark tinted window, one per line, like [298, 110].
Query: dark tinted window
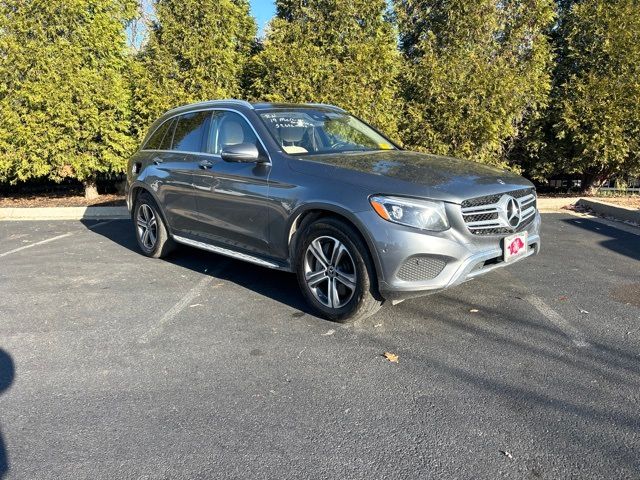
[230, 128]
[166, 141]
[189, 133]
[156, 139]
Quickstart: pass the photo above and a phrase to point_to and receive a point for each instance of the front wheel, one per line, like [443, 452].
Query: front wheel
[335, 272]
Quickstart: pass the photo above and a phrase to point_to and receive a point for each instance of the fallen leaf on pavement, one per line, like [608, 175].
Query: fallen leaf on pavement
[563, 298]
[392, 357]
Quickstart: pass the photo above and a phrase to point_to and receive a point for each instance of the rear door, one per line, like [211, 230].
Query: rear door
[189, 141]
[175, 162]
[232, 198]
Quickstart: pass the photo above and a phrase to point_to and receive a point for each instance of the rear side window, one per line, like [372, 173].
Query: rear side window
[190, 132]
[156, 139]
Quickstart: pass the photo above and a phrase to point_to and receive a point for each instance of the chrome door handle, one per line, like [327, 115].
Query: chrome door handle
[206, 164]
[157, 161]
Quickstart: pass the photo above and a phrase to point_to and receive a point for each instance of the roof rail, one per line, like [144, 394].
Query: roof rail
[210, 103]
[326, 105]
[244, 103]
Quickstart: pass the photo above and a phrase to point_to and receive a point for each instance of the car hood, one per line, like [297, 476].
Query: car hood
[411, 173]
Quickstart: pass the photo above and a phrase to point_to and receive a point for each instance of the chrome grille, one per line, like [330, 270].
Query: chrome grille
[489, 199]
[487, 215]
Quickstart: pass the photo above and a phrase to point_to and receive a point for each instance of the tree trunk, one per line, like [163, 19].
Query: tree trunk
[590, 190]
[591, 182]
[90, 189]
[120, 187]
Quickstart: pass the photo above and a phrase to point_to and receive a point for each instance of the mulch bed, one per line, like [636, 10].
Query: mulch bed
[60, 200]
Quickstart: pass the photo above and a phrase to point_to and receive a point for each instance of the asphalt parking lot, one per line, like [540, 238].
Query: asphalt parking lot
[116, 366]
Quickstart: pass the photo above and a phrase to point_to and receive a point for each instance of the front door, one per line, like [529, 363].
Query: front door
[232, 197]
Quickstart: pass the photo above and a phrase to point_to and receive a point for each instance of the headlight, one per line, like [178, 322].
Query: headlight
[422, 214]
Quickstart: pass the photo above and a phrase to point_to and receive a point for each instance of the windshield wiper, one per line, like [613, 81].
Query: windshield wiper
[353, 150]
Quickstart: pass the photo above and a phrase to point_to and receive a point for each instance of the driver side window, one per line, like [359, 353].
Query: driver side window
[229, 128]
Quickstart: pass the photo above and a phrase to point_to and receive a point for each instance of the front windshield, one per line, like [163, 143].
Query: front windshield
[308, 131]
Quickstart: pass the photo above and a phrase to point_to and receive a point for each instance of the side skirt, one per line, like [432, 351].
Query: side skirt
[232, 253]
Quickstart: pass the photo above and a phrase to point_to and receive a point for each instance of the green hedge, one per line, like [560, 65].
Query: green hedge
[536, 86]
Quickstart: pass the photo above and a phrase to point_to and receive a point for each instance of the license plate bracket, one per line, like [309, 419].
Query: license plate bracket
[515, 246]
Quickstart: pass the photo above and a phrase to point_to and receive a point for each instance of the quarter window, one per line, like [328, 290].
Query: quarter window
[156, 139]
[190, 131]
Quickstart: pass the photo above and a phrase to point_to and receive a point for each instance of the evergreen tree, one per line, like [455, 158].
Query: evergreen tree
[64, 101]
[594, 127]
[476, 71]
[341, 52]
[196, 51]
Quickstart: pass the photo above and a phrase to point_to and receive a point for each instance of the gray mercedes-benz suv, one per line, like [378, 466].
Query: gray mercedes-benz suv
[313, 190]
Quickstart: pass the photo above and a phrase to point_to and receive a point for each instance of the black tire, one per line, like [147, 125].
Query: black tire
[360, 302]
[162, 244]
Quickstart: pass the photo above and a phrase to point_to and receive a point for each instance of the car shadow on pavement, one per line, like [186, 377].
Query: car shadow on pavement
[7, 374]
[620, 241]
[277, 285]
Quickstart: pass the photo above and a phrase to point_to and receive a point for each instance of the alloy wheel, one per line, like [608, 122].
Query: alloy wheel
[330, 272]
[147, 226]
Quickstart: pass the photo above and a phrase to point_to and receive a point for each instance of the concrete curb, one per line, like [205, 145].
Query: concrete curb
[64, 213]
[553, 204]
[609, 210]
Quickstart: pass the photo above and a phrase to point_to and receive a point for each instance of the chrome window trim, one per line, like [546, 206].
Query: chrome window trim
[205, 109]
[189, 152]
[173, 134]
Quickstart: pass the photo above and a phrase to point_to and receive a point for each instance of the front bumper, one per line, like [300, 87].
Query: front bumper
[441, 259]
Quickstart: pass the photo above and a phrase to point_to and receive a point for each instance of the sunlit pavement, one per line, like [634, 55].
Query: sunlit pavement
[113, 366]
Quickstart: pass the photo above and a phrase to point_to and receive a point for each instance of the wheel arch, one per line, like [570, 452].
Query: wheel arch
[312, 212]
[135, 191]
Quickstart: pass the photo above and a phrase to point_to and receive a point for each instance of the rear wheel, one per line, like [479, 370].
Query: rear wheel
[335, 272]
[151, 231]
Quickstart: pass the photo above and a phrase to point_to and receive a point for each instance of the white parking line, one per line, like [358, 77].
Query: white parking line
[19, 249]
[571, 332]
[52, 239]
[156, 328]
[558, 320]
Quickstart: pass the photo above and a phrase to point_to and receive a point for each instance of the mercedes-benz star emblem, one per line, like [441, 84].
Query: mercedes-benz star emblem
[509, 212]
[513, 212]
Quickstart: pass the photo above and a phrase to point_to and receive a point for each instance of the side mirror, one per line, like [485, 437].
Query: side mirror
[242, 152]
